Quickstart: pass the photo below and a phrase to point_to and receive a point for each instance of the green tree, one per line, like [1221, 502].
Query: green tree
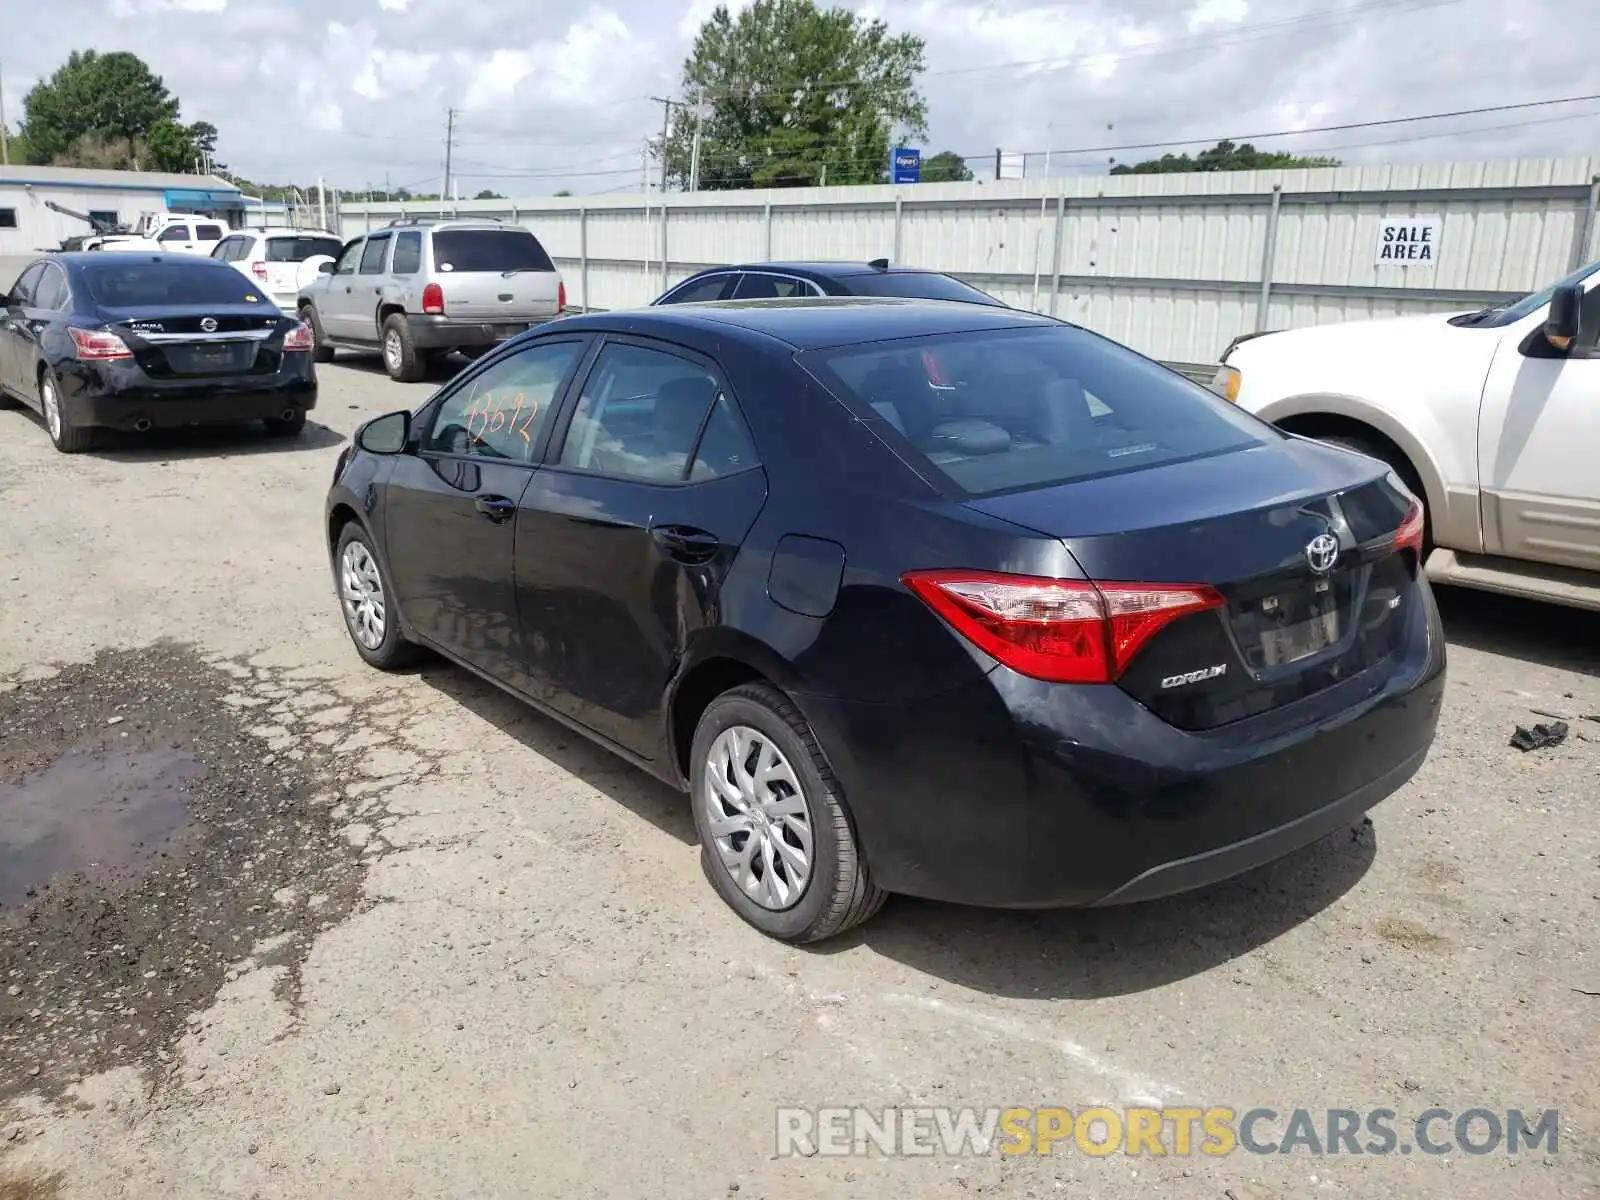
[486, 194]
[1224, 156]
[110, 110]
[564, 192]
[792, 95]
[945, 167]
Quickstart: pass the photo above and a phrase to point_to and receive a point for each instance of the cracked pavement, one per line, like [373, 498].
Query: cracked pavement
[482, 960]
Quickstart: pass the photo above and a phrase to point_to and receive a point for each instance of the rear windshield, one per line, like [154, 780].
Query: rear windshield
[298, 249]
[916, 285]
[135, 284]
[489, 250]
[1005, 410]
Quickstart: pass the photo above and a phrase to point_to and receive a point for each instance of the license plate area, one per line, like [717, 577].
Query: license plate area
[212, 358]
[1281, 625]
[1291, 643]
[504, 332]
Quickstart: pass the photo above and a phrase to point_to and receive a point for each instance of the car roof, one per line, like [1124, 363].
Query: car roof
[824, 268]
[809, 323]
[89, 258]
[281, 231]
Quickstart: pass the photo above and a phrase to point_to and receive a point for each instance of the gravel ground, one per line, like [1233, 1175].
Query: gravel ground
[409, 938]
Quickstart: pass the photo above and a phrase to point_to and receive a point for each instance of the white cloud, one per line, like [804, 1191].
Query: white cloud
[1216, 12]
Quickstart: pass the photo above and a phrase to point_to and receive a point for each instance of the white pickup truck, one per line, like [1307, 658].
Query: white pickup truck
[166, 233]
[1492, 418]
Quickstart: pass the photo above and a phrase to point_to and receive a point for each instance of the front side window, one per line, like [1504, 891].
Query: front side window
[501, 412]
[347, 261]
[174, 233]
[639, 415]
[1005, 410]
[372, 256]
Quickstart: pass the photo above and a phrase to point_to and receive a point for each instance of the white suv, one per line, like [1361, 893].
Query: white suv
[273, 258]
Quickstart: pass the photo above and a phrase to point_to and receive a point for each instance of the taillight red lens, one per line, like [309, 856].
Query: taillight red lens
[433, 300]
[299, 338]
[259, 269]
[98, 345]
[561, 296]
[1409, 535]
[1059, 630]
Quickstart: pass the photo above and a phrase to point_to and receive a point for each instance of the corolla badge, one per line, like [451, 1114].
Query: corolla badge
[208, 324]
[1322, 552]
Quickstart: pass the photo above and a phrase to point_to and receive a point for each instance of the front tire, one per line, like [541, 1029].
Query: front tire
[366, 601]
[401, 358]
[775, 838]
[64, 435]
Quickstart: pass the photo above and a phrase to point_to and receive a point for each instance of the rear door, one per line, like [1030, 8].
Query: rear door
[501, 276]
[206, 236]
[627, 532]
[451, 515]
[177, 238]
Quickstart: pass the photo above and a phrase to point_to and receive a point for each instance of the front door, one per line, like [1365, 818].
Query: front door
[336, 302]
[451, 503]
[626, 534]
[16, 338]
[1539, 446]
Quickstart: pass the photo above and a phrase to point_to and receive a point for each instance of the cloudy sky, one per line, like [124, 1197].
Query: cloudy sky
[554, 95]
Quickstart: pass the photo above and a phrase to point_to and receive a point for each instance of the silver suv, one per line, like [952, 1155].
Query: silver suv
[421, 288]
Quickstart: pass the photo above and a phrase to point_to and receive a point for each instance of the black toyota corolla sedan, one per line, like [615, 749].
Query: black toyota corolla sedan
[786, 280]
[142, 341]
[909, 596]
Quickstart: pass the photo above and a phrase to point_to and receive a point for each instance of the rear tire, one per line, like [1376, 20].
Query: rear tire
[277, 427]
[66, 437]
[321, 352]
[1398, 464]
[838, 893]
[401, 358]
[391, 651]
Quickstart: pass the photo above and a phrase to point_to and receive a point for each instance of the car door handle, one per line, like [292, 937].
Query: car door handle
[498, 509]
[685, 543]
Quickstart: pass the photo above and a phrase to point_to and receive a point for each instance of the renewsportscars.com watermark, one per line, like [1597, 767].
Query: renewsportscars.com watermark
[1154, 1132]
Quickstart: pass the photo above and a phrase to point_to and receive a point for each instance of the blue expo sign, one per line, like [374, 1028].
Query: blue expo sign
[907, 166]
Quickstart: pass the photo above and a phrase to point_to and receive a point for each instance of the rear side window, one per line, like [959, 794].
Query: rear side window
[407, 254]
[52, 292]
[639, 415]
[916, 285]
[755, 286]
[713, 287]
[1006, 410]
[298, 249]
[489, 250]
[139, 284]
[207, 233]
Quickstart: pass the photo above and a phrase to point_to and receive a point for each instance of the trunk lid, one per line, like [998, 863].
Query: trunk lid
[496, 275]
[1303, 613]
[185, 341]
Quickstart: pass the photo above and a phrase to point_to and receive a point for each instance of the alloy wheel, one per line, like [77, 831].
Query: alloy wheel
[361, 589]
[52, 407]
[393, 351]
[757, 817]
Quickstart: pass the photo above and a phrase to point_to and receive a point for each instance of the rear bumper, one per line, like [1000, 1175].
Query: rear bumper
[452, 333]
[1014, 793]
[128, 404]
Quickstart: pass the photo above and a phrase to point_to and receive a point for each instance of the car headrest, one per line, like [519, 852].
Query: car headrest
[680, 405]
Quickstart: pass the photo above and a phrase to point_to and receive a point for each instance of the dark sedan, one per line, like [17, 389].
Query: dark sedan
[914, 597]
[144, 341]
[786, 280]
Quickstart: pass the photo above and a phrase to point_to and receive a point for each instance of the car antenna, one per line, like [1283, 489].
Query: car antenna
[879, 264]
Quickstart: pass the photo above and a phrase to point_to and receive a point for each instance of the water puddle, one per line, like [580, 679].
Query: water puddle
[93, 815]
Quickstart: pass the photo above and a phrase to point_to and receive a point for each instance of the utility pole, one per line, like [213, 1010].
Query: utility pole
[694, 154]
[386, 187]
[666, 127]
[5, 143]
[449, 149]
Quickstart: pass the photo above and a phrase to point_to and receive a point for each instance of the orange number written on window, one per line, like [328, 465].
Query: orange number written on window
[491, 414]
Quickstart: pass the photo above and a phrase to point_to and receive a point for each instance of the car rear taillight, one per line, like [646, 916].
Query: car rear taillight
[1409, 535]
[433, 300]
[259, 268]
[1059, 630]
[561, 296]
[98, 345]
[299, 338]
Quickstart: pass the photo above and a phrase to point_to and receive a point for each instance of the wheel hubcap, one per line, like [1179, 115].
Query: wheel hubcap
[361, 589]
[756, 814]
[391, 350]
[52, 409]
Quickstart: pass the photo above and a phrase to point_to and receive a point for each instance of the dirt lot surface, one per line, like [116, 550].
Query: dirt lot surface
[275, 925]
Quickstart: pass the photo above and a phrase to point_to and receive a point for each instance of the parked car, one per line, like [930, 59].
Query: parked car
[419, 289]
[781, 280]
[1493, 416]
[163, 233]
[942, 599]
[280, 261]
[136, 342]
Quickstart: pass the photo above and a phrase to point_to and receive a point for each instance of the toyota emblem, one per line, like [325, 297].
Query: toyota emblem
[1322, 552]
[208, 324]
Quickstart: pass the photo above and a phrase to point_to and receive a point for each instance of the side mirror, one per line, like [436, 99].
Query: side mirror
[387, 434]
[1561, 325]
[325, 268]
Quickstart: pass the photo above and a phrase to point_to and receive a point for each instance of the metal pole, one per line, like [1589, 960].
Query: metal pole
[1055, 251]
[322, 203]
[644, 165]
[663, 243]
[1580, 250]
[1269, 250]
[5, 144]
[694, 154]
[767, 235]
[899, 208]
[583, 255]
[1038, 249]
[449, 148]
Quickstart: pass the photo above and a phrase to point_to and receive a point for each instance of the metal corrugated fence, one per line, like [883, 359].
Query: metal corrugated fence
[1173, 265]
